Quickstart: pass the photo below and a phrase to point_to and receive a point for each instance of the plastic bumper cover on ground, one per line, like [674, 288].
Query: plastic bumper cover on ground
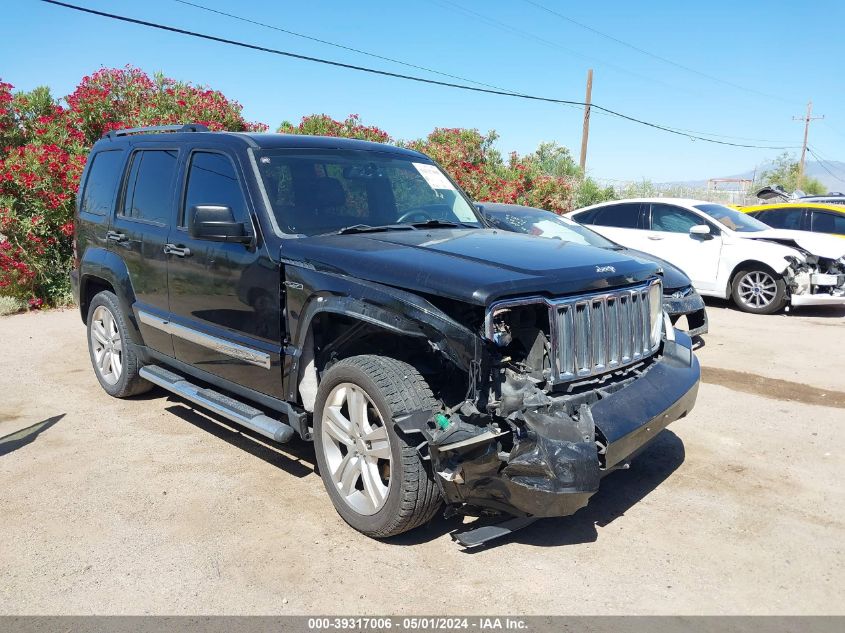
[553, 467]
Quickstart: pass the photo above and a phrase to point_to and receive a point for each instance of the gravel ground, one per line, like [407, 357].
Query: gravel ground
[148, 506]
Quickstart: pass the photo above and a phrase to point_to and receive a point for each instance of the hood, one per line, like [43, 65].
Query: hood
[814, 243]
[673, 277]
[475, 266]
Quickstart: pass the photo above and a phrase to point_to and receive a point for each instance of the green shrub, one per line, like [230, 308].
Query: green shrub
[10, 305]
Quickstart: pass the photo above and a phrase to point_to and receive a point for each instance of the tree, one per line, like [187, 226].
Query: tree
[784, 173]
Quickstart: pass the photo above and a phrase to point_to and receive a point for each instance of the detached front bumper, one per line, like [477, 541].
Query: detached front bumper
[691, 305]
[551, 461]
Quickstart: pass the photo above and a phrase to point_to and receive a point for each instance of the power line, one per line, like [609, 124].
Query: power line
[821, 162]
[447, 4]
[386, 73]
[334, 44]
[437, 72]
[828, 124]
[653, 55]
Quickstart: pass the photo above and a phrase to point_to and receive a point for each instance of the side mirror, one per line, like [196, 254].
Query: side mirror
[480, 207]
[216, 223]
[700, 230]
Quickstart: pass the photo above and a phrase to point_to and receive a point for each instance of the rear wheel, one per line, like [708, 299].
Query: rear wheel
[759, 291]
[376, 480]
[113, 357]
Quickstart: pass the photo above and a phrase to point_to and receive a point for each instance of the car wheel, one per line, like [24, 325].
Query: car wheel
[376, 480]
[113, 356]
[759, 291]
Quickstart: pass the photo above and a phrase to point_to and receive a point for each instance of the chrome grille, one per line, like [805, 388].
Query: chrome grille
[593, 334]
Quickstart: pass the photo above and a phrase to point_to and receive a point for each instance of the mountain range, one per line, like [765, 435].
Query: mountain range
[831, 174]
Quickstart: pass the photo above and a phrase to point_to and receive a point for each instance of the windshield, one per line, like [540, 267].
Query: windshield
[323, 191]
[547, 224]
[733, 219]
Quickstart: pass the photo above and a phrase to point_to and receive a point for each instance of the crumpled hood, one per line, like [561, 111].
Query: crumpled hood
[475, 266]
[815, 243]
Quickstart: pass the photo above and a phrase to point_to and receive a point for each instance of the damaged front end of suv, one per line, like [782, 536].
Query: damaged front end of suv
[565, 391]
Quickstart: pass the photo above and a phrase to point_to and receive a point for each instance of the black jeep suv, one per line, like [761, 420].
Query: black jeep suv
[350, 293]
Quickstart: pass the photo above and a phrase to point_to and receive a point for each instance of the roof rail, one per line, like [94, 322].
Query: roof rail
[188, 127]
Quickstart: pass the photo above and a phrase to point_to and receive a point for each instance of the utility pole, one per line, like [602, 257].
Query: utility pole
[806, 118]
[586, 132]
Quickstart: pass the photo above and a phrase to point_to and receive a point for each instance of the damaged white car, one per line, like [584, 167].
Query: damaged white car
[727, 253]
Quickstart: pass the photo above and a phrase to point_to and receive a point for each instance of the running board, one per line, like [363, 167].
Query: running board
[227, 407]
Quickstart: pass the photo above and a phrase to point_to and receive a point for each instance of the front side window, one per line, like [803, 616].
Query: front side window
[101, 184]
[731, 218]
[623, 216]
[212, 179]
[828, 222]
[150, 186]
[672, 219]
[781, 218]
[323, 191]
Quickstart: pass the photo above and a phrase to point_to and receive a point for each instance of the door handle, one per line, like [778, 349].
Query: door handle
[655, 237]
[179, 251]
[114, 236]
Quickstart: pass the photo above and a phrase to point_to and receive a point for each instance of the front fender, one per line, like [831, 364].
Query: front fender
[311, 292]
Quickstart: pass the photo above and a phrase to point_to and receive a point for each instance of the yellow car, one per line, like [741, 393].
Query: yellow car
[801, 216]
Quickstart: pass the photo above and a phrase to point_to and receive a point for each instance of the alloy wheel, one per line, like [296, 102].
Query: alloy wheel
[757, 289]
[106, 345]
[356, 445]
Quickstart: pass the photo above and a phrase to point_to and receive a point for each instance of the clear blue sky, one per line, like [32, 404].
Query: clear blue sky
[776, 47]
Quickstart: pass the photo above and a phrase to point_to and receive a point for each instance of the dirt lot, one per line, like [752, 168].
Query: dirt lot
[147, 506]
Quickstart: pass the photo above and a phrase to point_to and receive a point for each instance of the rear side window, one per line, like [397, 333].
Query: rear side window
[212, 180]
[623, 216]
[149, 190]
[781, 218]
[828, 222]
[101, 184]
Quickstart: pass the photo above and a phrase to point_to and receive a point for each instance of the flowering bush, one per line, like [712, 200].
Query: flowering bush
[324, 125]
[43, 147]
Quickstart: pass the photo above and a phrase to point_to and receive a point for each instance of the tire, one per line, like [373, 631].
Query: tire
[113, 356]
[390, 387]
[758, 290]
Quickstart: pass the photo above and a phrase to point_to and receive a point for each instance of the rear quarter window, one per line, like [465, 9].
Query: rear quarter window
[98, 196]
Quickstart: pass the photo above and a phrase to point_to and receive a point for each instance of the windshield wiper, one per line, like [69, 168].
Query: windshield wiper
[366, 228]
[434, 224]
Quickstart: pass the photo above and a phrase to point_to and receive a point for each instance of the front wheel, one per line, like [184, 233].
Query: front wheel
[376, 480]
[759, 291]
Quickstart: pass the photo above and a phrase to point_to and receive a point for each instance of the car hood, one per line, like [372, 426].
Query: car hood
[476, 266]
[814, 243]
[673, 277]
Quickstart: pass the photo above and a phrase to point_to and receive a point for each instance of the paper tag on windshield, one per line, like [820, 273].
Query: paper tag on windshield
[433, 176]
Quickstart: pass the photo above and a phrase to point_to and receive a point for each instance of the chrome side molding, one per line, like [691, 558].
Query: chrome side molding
[241, 352]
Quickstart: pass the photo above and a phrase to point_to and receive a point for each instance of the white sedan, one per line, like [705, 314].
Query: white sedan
[727, 253]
